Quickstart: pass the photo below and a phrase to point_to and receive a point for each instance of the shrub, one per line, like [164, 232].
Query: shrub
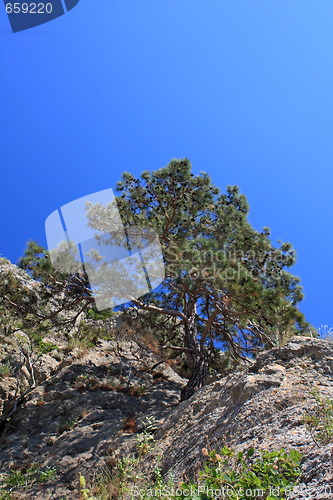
[319, 420]
[272, 476]
[145, 440]
[6, 369]
[137, 391]
[103, 315]
[66, 425]
[84, 492]
[44, 347]
[32, 475]
[236, 476]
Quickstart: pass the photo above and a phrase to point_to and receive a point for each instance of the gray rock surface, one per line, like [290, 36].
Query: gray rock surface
[75, 419]
[90, 403]
[260, 407]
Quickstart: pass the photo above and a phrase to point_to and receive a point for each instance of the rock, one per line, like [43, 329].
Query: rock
[262, 408]
[74, 417]
[44, 367]
[89, 407]
[8, 389]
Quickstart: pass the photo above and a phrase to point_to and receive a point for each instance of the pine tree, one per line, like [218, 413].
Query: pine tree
[225, 284]
[42, 298]
[33, 303]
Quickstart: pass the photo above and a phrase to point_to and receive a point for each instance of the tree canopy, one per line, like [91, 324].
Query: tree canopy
[41, 299]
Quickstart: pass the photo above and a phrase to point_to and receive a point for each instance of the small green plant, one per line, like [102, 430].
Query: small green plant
[45, 347]
[5, 495]
[67, 425]
[125, 472]
[158, 489]
[145, 439]
[84, 492]
[140, 390]
[103, 315]
[319, 420]
[118, 484]
[6, 369]
[87, 336]
[47, 475]
[91, 383]
[272, 476]
[144, 444]
[83, 377]
[42, 347]
[19, 479]
[84, 338]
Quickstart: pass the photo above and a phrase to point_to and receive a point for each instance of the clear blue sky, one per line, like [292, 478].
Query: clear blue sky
[243, 89]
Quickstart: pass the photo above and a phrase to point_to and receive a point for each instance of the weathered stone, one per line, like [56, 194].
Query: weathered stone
[262, 408]
[88, 407]
[44, 367]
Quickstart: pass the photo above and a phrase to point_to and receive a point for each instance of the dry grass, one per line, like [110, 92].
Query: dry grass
[326, 333]
[93, 385]
[130, 425]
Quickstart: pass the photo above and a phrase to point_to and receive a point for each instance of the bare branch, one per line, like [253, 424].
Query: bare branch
[160, 310]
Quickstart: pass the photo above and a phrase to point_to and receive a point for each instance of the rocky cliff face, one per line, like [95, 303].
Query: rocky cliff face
[86, 411]
[260, 407]
[89, 405]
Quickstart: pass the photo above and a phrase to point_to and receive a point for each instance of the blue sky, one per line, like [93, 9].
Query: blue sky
[243, 89]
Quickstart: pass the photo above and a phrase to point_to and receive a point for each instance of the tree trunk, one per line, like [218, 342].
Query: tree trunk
[197, 379]
[197, 360]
